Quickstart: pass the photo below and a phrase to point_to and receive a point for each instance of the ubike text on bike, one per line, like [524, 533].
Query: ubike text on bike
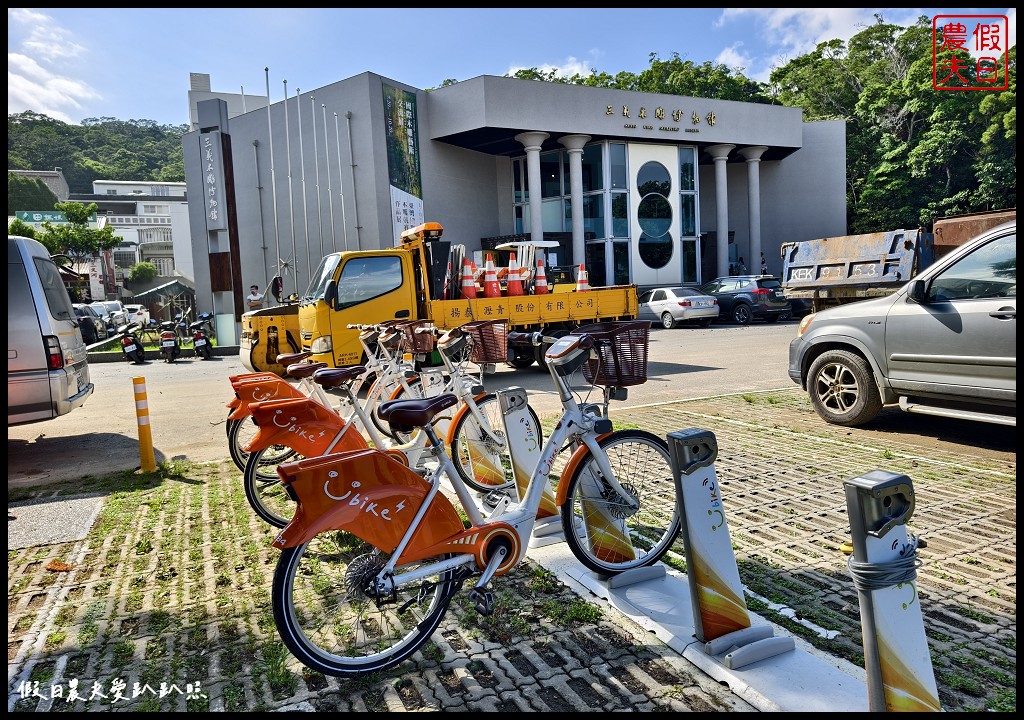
[372, 286]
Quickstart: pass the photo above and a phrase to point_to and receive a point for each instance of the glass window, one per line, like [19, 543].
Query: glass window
[617, 163]
[322, 276]
[658, 295]
[550, 174]
[518, 182]
[646, 297]
[593, 214]
[687, 167]
[551, 215]
[654, 215]
[620, 214]
[688, 215]
[597, 275]
[53, 288]
[365, 278]
[620, 261]
[988, 272]
[653, 177]
[655, 251]
[690, 261]
[591, 169]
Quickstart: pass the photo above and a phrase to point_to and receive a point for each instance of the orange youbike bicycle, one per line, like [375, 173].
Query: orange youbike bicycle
[375, 552]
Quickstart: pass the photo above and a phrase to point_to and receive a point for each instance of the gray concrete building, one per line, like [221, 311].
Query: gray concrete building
[642, 188]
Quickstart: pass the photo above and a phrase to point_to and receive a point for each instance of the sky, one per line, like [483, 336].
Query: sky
[134, 64]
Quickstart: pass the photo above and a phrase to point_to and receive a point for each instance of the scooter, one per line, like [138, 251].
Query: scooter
[170, 346]
[131, 345]
[200, 338]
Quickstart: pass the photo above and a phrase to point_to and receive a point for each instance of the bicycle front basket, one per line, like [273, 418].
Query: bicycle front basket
[621, 353]
[418, 342]
[490, 340]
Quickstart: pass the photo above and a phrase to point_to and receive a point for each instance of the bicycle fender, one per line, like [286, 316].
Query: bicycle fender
[463, 409]
[259, 390]
[570, 468]
[366, 493]
[302, 424]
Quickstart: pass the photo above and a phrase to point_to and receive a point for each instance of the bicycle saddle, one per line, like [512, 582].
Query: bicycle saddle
[407, 414]
[287, 359]
[336, 377]
[303, 370]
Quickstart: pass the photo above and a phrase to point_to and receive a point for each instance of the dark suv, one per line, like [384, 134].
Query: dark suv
[741, 298]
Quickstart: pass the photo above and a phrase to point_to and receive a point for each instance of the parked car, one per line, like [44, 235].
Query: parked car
[138, 313]
[91, 324]
[47, 359]
[101, 309]
[118, 315]
[943, 344]
[799, 307]
[674, 306]
[742, 298]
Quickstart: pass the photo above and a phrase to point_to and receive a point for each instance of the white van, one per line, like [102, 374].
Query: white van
[47, 360]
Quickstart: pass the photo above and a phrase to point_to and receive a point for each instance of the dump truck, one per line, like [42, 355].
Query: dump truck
[836, 270]
[420, 279]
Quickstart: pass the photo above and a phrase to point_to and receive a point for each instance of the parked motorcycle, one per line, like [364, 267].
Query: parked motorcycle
[131, 344]
[170, 346]
[200, 337]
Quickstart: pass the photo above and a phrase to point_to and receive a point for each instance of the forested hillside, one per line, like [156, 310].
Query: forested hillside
[914, 153]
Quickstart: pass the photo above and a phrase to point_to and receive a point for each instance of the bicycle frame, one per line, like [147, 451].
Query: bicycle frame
[406, 515]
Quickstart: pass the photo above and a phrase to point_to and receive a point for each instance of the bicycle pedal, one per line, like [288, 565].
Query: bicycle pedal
[483, 601]
[495, 498]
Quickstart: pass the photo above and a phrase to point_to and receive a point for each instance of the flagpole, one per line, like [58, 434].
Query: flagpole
[273, 175]
[291, 195]
[316, 158]
[341, 188]
[302, 165]
[330, 193]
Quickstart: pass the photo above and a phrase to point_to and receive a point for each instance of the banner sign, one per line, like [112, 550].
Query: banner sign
[213, 181]
[402, 137]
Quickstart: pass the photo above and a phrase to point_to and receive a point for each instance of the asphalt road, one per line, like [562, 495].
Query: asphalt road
[187, 401]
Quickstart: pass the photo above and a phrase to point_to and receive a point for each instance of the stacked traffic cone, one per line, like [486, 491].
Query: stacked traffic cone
[515, 279]
[540, 286]
[582, 284]
[468, 283]
[492, 288]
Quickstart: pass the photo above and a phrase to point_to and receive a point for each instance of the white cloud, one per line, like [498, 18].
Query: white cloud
[37, 73]
[570, 67]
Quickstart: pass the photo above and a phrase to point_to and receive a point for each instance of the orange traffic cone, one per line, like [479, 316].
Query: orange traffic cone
[540, 286]
[468, 283]
[515, 279]
[582, 284]
[492, 288]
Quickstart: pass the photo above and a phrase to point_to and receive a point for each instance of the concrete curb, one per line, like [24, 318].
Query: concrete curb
[110, 356]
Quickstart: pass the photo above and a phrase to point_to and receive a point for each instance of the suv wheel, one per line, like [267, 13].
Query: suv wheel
[667, 321]
[741, 314]
[842, 389]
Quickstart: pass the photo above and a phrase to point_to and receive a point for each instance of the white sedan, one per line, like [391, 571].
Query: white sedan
[673, 306]
[138, 313]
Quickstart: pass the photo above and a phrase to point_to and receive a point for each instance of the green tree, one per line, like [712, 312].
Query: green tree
[23, 229]
[75, 238]
[142, 273]
[27, 193]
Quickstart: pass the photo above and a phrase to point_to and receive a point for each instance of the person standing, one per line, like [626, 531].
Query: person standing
[764, 265]
[255, 298]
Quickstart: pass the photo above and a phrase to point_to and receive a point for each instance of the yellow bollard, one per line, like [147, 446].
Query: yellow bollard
[145, 432]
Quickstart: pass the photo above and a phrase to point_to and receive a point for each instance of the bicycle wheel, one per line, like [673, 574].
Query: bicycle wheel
[601, 529]
[379, 392]
[330, 620]
[241, 433]
[483, 464]
[263, 488]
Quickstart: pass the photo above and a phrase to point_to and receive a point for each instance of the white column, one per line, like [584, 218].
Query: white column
[720, 153]
[532, 142]
[753, 156]
[574, 144]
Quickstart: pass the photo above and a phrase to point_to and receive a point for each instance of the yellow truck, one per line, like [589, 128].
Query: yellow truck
[418, 280]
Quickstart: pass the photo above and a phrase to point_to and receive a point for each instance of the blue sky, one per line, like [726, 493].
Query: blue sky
[127, 63]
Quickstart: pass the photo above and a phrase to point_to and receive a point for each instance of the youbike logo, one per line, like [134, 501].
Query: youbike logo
[354, 499]
[289, 424]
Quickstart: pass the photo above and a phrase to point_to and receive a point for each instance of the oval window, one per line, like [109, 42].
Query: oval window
[654, 215]
[653, 177]
[655, 251]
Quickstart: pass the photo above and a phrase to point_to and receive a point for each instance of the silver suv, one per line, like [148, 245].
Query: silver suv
[943, 344]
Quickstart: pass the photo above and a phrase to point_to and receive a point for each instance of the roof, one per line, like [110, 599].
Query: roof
[174, 287]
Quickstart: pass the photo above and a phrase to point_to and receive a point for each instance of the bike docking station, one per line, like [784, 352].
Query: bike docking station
[524, 454]
[702, 614]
